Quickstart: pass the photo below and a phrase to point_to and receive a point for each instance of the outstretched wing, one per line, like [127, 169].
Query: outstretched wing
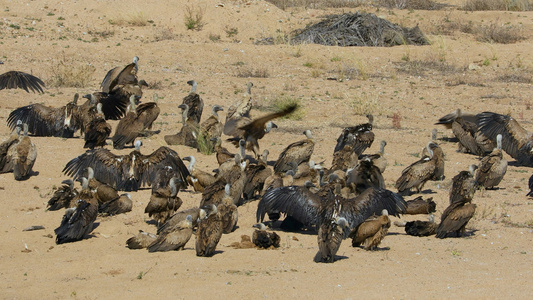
[21, 80]
[146, 167]
[118, 76]
[295, 201]
[514, 136]
[42, 120]
[256, 128]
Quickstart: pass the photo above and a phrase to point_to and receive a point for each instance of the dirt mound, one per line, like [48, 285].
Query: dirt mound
[359, 29]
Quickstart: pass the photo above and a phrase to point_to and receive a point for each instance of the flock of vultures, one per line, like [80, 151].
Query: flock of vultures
[346, 200]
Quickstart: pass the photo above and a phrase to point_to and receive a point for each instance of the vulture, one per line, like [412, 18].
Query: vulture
[530, 184]
[141, 241]
[363, 137]
[516, 141]
[371, 232]
[492, 167]
[198, 178]
[265, 239]
[256, 129]
[212, 127]
[463, 186]
[127, 172]
[129, 128]
[418, 173]
[119, 205]
[295, 154]
[7, 147]
[345, 158]
[173, 238]
[164, 200]
[422, 228]
[454, 219]
[120, 76]
[377, 159]
[364, 176]
[188, 135]
[222, 154]
[194, 103]
[97, 131]
[196, 213]
[239, 114]
[256, 175]
[148, 112]
[209, 232]
[23, 155]
[63, 196]
[21, 80]
[236, 177]
[47, 121]
[420, 206]
[78, 221]
[448, 119]
[228, 211]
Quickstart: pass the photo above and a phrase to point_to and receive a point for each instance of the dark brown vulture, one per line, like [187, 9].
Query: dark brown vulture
[188, 134]
[63, 196]
[164, 200]
[448, 119]
[463, 186]
[422, 228]
[198, 179]
[209, 232]
[128, 128]
[97, 131]
[239, 114]
[173, 238]
[256, 175]
[120, 205]
[492, 167]
[127, 172]
[141, 241]
[454, 219]
[23, 155]
[21, 80]
[265, 239]
[148, 112]
[295, 154]
[212, 127]
[420, 206]
[364, 176]
[196, 213]
[120, 76]
[377, 159]
[418, 173]
[194, 103]
[363, 137]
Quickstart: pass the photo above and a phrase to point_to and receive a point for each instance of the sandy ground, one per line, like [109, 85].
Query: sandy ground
[494, 261]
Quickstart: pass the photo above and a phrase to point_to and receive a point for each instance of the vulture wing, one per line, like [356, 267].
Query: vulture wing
[21, 80]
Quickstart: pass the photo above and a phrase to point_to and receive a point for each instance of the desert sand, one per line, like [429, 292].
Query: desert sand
[493, 261]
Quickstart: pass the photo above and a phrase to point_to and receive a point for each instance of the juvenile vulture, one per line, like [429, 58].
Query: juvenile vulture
[295, 154]
[142, 240]
[120, 76]
[63, 196]
[78, 221]
[265, 239]
[377, 159]
[194, 103]
[148, 112]
[371, 232]
[46, 121]
[196, 213]
[422, 228]
[21, 80]
[127, 172]
[256, 130]
[209, 232]
[212, 127]
[228, 211]
[198, 179]
[188, 134]
[256, 175]
[23, 155]
[454, 219]
[239, 114]
[492, 167]
[97, 131]
[448, 119]
[363, 137]
[364, 176]
[464, 186]
[173, 238]
[164, 201]
[119, 205]
[128, 128]
[516, 141]
[418, 173]
[420, 206]
[344, 158]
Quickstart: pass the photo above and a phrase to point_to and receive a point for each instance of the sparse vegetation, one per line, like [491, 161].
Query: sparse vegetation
[71, 73]
[194, 18]
[282, 103]
[204, 144]
[253, 73]
[501, 34]
[506, 5]
[164, 33]
[409, 4]
[396, 120]
[285, 4]
[366, 104]
[133, 19]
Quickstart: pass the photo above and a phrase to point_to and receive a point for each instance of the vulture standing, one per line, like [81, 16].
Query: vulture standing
[363, 137]
[188, 134]
[464, 186]
[63, 196]
[256, 175]
[371, 232]
[21, 80]
[198, 178]
[454, 219]
[239, 114]
[295, 154]
[23, 155]
[222, 154]
[164, 201]
[212, 127]
[377, 159]
[97, 131]
[148, 112]
[364, 176]
[194, 103]
[196, 213]
[129, 128]
[492, 167]
[173, 238]
[120, 76]
[209, 232]
[344, 158]
[78, 221]
[418, 173]
[228, 211]
[127, 172]
[516, 141]
[6, 164]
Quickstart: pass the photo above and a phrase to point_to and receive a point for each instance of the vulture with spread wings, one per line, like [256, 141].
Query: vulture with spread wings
[21, 80]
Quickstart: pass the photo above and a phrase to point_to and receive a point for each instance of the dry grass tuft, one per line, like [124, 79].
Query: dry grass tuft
[505, 5]
[285, 4]
[421, 67]
[165, 33]
[133, 19]
[409, 4]
[70, 73]
[501, 34]
[396, 120]
[253, 73]
[366, 104]
[194, 17]
[204, 144]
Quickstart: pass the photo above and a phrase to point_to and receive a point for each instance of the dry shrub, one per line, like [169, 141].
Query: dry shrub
[409, 4]
[517, 78]
[251, 73]
[421, 67]
[501, 34]
[350, 70]
[512, 5]
[285, 4]
[194, 17]
[133, 19]
[165, 33]
[366, 104]
[71, 73]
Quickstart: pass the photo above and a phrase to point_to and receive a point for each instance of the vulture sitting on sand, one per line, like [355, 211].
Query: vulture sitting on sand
[418, 173]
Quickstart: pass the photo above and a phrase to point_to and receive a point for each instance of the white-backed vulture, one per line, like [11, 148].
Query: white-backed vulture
[128, 128]
[194, 103]
[212, 127]
[97, 131]
[418, 173]
[148, 112]
[420, 206]
[239, 114]
[196, 213]
[448, 119]
[256, 130]
[363, 137]
[78, 221]
[371, 232]
[173, 238]
[364, 176]
[295, 154]
[516, 141]
[198, 178]
[127, 172]
[164, 201]
[46, 121]
[377, 159]
[21, 80]
[120, 76]
[23, 155]
[7, 148]
[464, 186]
[222, 154]
[120, 205]
[63, 196]
[256, 175]
[188, 134]
[141, 241]
[345, 158]
[492, 167]
[454, 219]
[209, 232]
[265, 239]
[228, 211]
